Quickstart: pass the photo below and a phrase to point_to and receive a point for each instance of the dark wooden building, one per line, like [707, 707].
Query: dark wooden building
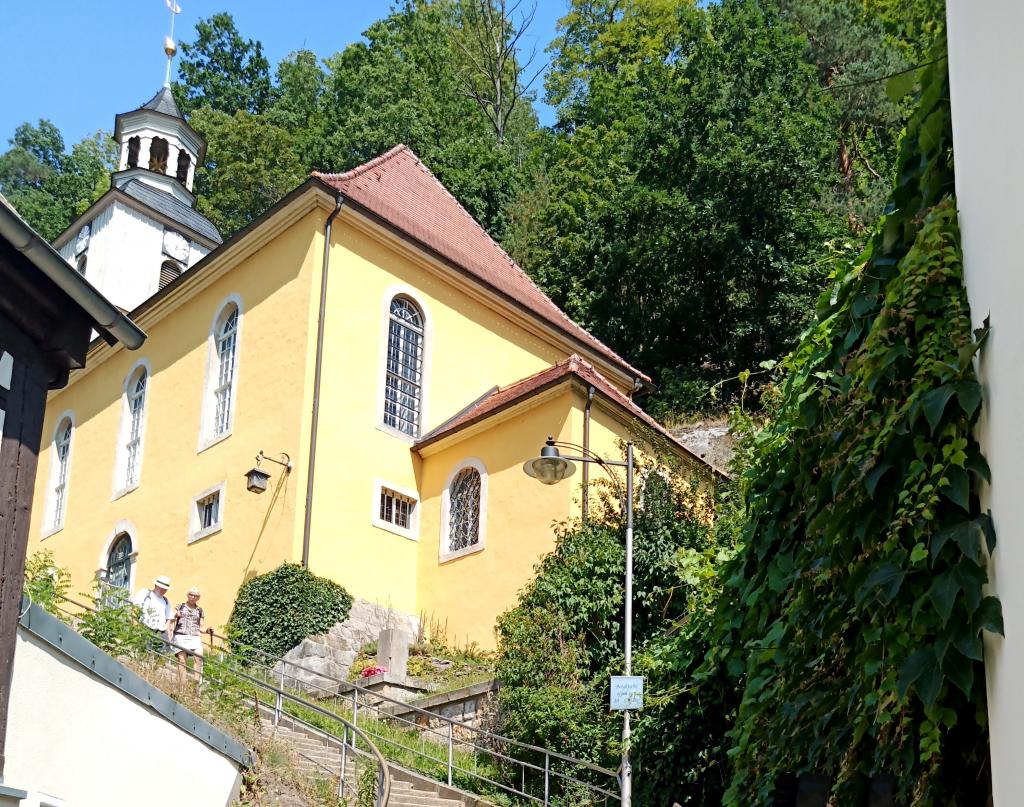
[48, 313]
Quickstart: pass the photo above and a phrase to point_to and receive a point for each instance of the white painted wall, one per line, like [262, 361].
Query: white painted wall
[79, 740]
[124, 255]
[986, 63]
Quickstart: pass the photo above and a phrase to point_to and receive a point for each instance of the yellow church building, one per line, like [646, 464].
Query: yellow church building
[393, 365]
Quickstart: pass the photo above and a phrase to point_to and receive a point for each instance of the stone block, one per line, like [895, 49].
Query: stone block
[393, 651]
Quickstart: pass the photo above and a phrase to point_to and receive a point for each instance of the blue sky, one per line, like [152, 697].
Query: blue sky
[80, 63]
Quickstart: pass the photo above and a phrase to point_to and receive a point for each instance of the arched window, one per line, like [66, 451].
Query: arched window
[158, 155]
[119, 562]
[219, 400]
[80, 266]
[59, 473]
[132, 429]
[169, 270]
[404, 370]
[464, 511]
[133, 152]
[183, 163]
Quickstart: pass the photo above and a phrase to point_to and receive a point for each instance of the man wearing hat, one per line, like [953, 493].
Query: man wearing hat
[156, 613]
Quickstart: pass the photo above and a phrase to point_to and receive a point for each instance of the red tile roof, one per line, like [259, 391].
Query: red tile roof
[401, 190]
[501, 398]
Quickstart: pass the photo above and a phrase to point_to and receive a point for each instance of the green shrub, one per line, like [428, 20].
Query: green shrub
[275, 611]
[46, 583]
[114, 626]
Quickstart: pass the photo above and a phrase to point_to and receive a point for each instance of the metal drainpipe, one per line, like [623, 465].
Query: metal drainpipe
[586, 450]
[316, 381]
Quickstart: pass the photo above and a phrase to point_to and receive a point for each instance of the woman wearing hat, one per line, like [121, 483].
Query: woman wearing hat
[155, 611]
[187, 639]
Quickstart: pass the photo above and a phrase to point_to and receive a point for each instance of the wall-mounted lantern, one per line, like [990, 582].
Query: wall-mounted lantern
[256, 478]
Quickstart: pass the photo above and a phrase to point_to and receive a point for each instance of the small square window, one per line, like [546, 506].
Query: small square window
[207, 514]
[395, 512]
[209, 511]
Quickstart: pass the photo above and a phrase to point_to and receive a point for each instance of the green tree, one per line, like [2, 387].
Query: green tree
[404, 85]
[50, 186]
[683, 223]
[250, 165]
[222, 70]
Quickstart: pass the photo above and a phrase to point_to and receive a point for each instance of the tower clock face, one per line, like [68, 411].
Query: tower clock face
[82, 239]
[176, 246]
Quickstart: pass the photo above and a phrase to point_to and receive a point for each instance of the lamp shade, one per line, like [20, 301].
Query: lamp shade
[550, 467]
[256, 480]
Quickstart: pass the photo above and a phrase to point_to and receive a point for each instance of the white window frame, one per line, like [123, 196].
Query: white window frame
[208, 415]
[197, 533]
[51, 524]
[390, 293]
[444, 553]
[121, 485]
[413, 530]
[122, 527]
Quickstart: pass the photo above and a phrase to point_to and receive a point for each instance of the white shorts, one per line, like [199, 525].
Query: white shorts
[193, 643]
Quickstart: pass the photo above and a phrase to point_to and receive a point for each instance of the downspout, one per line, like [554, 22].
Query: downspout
[317, 371]
[586, 453]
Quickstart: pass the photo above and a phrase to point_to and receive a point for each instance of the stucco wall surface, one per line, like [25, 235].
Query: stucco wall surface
[75, 738]
[986, 62]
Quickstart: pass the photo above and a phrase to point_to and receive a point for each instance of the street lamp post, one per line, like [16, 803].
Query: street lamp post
[550, 468]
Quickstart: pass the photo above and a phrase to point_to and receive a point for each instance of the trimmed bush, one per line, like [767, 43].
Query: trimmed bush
[275, 611]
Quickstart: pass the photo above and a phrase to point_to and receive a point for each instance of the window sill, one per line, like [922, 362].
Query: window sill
[199, 536]
[210, 443]
[387, 526]
[124, 491]
[51, 531]
[461, 553]
[405, 437]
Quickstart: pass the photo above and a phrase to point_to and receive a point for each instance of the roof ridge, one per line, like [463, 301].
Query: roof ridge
[359, 170]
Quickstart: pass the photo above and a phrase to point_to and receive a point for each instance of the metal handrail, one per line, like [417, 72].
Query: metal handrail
[278, 667]
[280, 695]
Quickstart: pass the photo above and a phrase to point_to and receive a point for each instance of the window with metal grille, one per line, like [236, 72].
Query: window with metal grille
[404, 371]
[119, 562]
[227, 350]
[208, 511]
[396, 509]
[464, 510]
[136, 412]
[169, 270]
[62, 452]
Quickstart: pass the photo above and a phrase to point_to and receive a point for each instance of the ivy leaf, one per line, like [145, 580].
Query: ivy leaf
[900, 85]
[990, 616]
[969, 395]
[874, 477]
[967, 535]
[958, 490]
[977, 463]
[914, 667]
[970, 645]
[943, 594]
[987, 527]
[888, 577]
[930, 685]
[934, 404]
[960, 670]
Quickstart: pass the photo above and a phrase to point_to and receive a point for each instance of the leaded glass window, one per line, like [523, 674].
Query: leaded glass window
[119, 562]
[227, 351]
[464, 510]
[404, 372]
[62, 448]
[133, 445]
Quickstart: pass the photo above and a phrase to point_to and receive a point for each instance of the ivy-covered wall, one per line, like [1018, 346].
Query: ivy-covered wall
[855, 611]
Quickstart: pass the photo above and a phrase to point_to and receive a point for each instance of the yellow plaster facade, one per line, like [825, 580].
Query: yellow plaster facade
[474, 341]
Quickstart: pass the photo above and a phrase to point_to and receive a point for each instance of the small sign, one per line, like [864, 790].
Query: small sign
[627, 692]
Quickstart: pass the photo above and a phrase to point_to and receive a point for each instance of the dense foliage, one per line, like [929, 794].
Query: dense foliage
[275, 611]
[855, 611]
[48, 185]
[46, 583]
[558, 646]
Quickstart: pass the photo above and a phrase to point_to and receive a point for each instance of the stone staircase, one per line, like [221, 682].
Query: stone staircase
[408, 789]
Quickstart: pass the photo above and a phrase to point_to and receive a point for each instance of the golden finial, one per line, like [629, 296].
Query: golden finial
[169, 47]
